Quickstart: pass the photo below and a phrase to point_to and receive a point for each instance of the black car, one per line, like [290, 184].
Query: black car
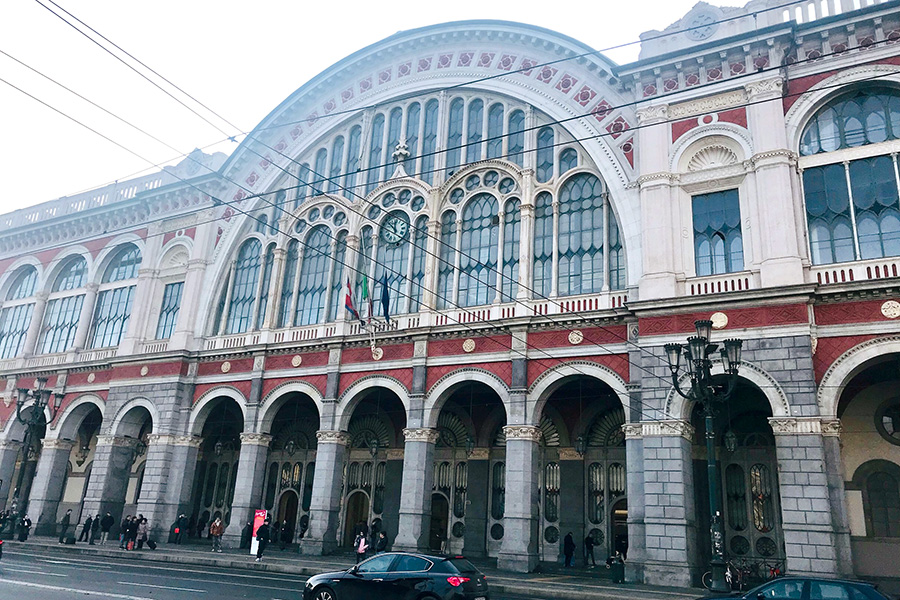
[807, 588]
[401, 576]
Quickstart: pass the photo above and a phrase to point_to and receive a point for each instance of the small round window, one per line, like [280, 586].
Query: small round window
[887, 420]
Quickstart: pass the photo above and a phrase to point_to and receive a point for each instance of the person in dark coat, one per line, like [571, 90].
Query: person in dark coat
[64, 526]
[287, 535]
[569, 548]
[106, 524]
[123, 531]
[95, 529]
[382, 543]
[181, 526]
[86, 529]
[246, 534]
[263, 535]
[24, 528]
[589, 551]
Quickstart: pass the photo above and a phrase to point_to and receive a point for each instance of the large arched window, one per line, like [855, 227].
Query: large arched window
[883, 495]
[392, 260]
[852, 204]
[417, 264]
[63, 307]
[376, 145]
[478, 256]
[313, 281]
[446, 260]
[454, 135]
[113, 309]
[413, 118]
[287, 283]
[268, 263]
[429, 141]
[17, 312]
[512, 217]
[245, 283]
[337, 269]
[475, 131]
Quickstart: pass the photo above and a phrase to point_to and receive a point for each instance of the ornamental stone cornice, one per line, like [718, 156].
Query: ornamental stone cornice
[528, 433]
[709, 104]
[57, 444]
[667, 428]
[8, 444]
[341, 438]
[255, 439]
[663, 177]
[774, 155]
[422, 434]
[805, 426]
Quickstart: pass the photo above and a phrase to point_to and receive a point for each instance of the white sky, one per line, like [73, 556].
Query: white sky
[239, 57]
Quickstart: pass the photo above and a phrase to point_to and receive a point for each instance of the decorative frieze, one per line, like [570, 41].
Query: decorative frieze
[116, 441]
[529, 433]
[333, 437]
[669, 428]
[710, 104]
[805, 426]
[256, 439]
[162, 439]
[423, 434]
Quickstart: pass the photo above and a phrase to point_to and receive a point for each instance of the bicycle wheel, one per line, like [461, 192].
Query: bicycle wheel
[706, 580]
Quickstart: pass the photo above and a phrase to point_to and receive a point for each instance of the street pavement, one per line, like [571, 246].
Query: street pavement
[34, 574]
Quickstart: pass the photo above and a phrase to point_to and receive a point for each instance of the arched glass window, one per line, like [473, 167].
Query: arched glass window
[478, 258]
[828, 211]
[495, 131]
[417, 270]
[447, 259]
[337, 156]
[313, 277]
[113, 308]
[596, 494]
[413, 116]
[287, 287]
[498, 491]
[429, 141]
[352, 161]
[718, 243]
[581, 215]
[15, 317]
[304, 190]
[264, 286]
[875, 201]
[243, 291]
[516, 137]
[545, 152]
[262, 222]
[337, 269]
[511, 235]
[568, 160]
[454, 135]
[543, 245]
[63, 310]
[867, 116]
[551, 492]
[363, 265]
[394, 125]
[320, 172]
[392, 259]
[616, 254]
[475, 131]
[375, 151]
[883, 495]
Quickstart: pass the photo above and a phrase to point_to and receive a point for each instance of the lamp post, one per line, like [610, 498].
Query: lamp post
[41, 397]
[709, 392]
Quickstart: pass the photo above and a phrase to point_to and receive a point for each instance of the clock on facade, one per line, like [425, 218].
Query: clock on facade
[700, 24]
[395, 228]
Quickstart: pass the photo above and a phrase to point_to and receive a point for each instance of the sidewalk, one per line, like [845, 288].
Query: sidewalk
[585, 585]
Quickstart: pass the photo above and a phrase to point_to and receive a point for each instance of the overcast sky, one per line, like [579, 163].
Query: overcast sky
[239, 57]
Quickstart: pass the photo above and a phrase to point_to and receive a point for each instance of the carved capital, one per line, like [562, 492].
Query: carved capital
[162, 439]
[633, 431]
[116, 441]
[422, 434]
[758, 90]
[653, 114]
[670, 428]
[529, 433]
[255, 439]
[805, 426]
[333, 437]
[57, 444]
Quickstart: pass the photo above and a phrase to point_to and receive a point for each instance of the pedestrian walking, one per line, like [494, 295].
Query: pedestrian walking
[86, 529]
[361, 546]
[133, 532]
[64, 526]
[143, 532]
[95, 530]
[382, 543]
[569, 548]
[246, 535]
[105, 525]
[123, 531]
[589, 551]
[216, 531]
[180, 528]
[263, 534]
[24, 528]
[286, 535]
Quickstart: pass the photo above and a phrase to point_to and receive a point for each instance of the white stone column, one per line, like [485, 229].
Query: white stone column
[432, 243]
[87, 313]
[140, 312]
[168, 478]
[275, 287]
[325, 507]
[248, 487]
[47, 486]
[113, 458]
[415, 495]
[519, 551]
[526, 239]
[34, 327]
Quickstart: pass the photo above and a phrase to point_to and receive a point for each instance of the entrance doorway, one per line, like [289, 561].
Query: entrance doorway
[287, 509]
[357, 510]
[440, 519]
[620, 528]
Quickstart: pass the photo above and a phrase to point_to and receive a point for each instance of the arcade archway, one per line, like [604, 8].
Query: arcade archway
[217, 463]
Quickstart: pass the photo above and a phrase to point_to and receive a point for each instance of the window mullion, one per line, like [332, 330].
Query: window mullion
[406, 301]
[501, 257]
[329, 266]
[257, 297]
[457, 242]
[852, 211]
[554, 280]
[606, 246]
[896, 173]
[295, 298]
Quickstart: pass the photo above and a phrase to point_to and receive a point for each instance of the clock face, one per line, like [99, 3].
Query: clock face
[395, 228]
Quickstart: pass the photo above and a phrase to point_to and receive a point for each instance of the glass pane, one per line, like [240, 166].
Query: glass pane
[516, 136]
[376, 142]
[71, 276]
[543, 245]
[168, 314]
[23, 284]
[545, 152]
[475, 131]
[243, 293]
[478, 260]
[761, 490]
[429, 141]
[495, 131]
[124, 265]
[447, 255]
[313, 277]
[736, 497]
[454, 135]
[717, 233]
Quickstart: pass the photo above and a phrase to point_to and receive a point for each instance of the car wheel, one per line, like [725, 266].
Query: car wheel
[325, 594]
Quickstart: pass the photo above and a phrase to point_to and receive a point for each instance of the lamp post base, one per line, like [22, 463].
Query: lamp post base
[719, 584]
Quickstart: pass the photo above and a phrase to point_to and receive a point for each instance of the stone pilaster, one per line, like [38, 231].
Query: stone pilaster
[519, 551]
[248, 487]
[34, 327]
[113, 458]
[324, 512]
[87, 313]
[168, 477]
[415, 497]
[47, 486]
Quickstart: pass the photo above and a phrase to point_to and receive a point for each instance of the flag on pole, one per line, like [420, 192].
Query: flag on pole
[348, 303]
[385, 298]
[365, 300]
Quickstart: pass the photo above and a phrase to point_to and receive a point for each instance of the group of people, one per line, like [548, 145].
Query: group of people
[134, 532]
[362, 543]
[589, 544]
[92, 528]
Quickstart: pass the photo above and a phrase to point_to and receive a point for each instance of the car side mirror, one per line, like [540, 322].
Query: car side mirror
[761, 596]
[354, 570]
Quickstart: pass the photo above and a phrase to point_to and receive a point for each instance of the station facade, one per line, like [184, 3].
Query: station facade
[545, 221]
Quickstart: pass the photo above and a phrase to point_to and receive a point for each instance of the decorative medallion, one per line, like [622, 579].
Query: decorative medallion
[144, 370]
[297, 360]
[91, 377]
[226, 366]
[377, 353]
[469, 345]
[891, 309]
[719, 320]
[576, 337]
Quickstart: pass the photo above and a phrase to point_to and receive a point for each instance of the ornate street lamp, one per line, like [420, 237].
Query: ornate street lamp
[580, 445]
[710, 392]
[40, 396]
[470, 445]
